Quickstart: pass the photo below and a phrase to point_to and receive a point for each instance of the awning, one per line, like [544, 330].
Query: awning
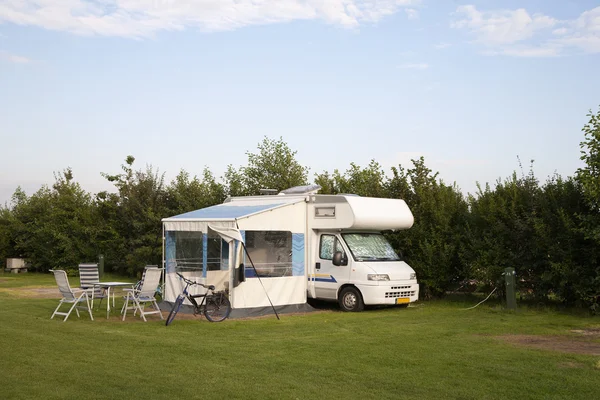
[228, 234]
[222, 216]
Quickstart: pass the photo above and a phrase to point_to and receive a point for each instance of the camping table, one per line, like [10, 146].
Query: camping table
[108, 286]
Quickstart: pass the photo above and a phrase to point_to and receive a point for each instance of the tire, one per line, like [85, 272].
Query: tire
[217, 307]
[351, 300]
[174, 310]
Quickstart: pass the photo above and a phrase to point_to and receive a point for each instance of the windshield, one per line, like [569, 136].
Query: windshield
[370, 247]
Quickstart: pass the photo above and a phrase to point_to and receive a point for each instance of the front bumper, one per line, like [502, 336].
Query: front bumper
[388, 293]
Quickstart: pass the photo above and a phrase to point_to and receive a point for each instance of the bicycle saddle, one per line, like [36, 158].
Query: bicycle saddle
[211, 287]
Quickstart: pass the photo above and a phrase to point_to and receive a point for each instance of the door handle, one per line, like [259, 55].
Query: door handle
[318, 265]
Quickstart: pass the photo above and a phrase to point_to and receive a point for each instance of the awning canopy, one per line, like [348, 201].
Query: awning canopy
[228, 234]
[222, 217]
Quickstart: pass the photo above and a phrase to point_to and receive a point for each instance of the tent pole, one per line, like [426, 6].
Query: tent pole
[258, 276]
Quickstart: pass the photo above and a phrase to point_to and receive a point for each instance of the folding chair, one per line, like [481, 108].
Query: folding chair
[145, 294]
[88, 275]
[138, 286]
[70, 296]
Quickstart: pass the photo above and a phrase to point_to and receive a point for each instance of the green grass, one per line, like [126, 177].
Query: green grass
[435, 350]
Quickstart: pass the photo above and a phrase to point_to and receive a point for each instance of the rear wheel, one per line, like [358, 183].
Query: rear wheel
[174, 310]
[217, 307]
[351, 299]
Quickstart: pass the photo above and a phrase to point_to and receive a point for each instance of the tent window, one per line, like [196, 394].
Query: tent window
[217, 252]
[188, 250]
[271, 252]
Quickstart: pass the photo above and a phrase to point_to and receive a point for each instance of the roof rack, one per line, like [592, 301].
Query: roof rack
[305, 189]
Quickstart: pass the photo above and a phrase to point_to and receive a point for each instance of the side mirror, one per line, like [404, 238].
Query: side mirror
[339, 259]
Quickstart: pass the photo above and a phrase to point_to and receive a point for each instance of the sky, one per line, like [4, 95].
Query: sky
[472, 86]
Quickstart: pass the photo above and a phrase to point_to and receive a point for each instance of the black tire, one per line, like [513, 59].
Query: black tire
[174, 310]
[351, 300]
[217, 307]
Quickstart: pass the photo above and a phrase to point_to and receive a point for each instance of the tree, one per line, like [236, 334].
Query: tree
[132, 218]
[273, 167]
[437, 243]
[589, 175]
[568, 257]
[589, 178]
[368, 181]
[54, 228]
[185, 194]
[503, 222]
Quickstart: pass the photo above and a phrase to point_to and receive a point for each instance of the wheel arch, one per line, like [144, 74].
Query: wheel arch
[344, 286]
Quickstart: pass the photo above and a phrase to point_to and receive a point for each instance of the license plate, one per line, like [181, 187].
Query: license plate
[402, 300]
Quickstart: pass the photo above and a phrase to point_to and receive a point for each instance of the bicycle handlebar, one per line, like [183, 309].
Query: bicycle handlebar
[190, 282]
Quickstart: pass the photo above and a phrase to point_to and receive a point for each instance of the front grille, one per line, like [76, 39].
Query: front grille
[400, 287]
[395, 295]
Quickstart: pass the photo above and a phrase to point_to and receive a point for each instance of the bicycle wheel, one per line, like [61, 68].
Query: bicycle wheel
[217, 307]
[174, 310]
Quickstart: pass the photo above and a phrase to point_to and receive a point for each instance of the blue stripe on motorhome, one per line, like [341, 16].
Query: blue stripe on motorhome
[315, 279]
[297, 254]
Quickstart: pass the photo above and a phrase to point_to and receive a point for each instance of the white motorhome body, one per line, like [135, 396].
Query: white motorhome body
[291, 241]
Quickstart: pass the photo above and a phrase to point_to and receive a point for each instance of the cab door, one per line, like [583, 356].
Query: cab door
[328, 277]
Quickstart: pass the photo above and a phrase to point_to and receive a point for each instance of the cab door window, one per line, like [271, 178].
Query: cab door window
[329, 245]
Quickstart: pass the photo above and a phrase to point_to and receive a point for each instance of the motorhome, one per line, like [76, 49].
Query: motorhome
[281, 250]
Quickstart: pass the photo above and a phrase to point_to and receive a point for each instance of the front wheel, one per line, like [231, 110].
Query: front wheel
[174, 310]
[217, 307]
[351, 299]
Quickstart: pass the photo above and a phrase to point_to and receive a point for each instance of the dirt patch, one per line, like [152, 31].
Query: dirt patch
[594, 332]
[563, 344]
[32, 292]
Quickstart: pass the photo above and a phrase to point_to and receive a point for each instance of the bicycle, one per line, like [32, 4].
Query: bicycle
[216, 309]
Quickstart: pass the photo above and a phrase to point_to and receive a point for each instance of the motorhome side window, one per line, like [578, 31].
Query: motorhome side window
[271, 252]
[326, 248]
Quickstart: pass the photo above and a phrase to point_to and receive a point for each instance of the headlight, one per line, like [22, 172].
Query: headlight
[413, 276]
[378, 277]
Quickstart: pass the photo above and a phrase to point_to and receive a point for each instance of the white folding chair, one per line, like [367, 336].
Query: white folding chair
[70, 296]
[145, 294]
[88, 275]
[136, 286]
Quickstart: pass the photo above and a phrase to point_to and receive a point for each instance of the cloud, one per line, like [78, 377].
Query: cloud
[143, 18]
[519, 33]
[442, 45]
[502, 27]
[14, 58]
[411, 13]
[414, 66]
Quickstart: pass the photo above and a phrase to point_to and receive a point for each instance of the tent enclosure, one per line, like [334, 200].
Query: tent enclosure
[206, 245]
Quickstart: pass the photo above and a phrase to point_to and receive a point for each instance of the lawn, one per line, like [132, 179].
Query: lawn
[434, 350]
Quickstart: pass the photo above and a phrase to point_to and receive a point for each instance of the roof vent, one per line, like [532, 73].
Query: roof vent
[306, 189]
